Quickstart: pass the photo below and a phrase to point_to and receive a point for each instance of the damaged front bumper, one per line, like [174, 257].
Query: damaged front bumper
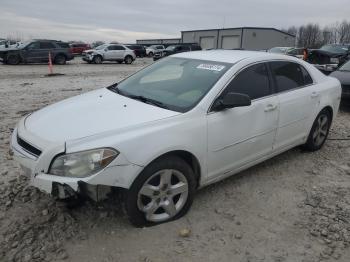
[119, 173]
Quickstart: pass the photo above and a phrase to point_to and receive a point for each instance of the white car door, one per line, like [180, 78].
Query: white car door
[298, 100]
[109, 53]
[240, 135]
[119, 52]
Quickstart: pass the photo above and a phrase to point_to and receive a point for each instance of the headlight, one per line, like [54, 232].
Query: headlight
[334, 60]
[82, 164]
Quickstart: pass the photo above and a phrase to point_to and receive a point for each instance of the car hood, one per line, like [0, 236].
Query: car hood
[90, 114]
[342, 76]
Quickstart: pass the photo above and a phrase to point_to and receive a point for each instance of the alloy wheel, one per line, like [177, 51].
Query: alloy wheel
[321, 129]
[163, 195]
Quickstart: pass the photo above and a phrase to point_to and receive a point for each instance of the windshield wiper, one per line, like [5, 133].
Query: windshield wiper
[114, 88]
[148, 100]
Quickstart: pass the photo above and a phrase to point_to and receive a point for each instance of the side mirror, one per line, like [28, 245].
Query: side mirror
[106, 49]
[231, 100]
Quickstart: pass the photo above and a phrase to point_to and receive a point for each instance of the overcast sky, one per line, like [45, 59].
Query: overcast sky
[126, 21]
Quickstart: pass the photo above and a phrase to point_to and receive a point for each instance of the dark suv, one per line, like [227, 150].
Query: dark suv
[174, 49]
[37, 51]
[139, 50]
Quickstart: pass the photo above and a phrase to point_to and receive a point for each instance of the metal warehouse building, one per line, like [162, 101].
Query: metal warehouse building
[169, 41]
[250, 38]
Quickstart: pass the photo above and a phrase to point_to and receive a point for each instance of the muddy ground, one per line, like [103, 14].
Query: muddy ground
[294, 207]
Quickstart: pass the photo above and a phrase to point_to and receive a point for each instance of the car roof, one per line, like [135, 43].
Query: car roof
[229, 56]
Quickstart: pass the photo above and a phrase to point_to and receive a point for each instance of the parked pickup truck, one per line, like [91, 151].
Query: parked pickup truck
[37, 51]
[329, 57]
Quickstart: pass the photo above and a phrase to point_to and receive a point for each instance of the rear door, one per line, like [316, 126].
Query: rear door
[298, 100]
[45, 49]
[119, 52]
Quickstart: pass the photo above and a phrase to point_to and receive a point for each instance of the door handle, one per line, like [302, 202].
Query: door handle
[270, 107]
[314, 94]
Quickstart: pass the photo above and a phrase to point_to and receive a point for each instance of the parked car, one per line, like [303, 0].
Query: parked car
[7, 43]
[79, 48]
[279, 50]
[329, 57]
[292, 51]
[139, 50]
[109, 52]
[343, 75]
[180, 124]
[174, 49]
[37, 51]
[154, 48]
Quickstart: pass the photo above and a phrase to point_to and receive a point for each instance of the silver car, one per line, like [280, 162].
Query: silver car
[109, 52]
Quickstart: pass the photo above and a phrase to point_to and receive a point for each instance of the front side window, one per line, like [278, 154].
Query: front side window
[252, 81]
[177, 83]
[33, 46]
[288, 75]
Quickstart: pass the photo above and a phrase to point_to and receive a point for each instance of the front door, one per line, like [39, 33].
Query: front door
[238, 136]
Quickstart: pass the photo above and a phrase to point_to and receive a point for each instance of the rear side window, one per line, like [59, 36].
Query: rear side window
[252, 81]
[119, 47]
[62, 44]
[46, 45]
[289, 75]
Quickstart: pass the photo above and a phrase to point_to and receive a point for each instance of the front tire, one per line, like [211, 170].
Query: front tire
[162, 192]
[319, 131]
[97, 59]
[13, 59]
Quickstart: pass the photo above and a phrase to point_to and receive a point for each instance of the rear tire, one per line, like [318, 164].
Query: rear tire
[128, 60]
[152, 198]
[319, 131]
[13, 59]
[60, 60]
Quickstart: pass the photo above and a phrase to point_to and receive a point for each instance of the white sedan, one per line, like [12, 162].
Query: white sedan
[177, 125]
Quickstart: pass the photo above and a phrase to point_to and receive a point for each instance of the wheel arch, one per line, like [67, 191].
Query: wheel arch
[188, 157]
[329, 109]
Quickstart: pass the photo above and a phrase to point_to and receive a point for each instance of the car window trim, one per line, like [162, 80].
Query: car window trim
[272, 93]
[293, 89]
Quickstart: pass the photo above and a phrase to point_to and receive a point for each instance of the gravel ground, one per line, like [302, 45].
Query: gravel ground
[294, 207]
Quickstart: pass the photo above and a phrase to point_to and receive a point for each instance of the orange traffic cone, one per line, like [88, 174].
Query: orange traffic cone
[50, 64]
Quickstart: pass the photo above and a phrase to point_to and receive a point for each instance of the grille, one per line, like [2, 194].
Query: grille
[27, 147]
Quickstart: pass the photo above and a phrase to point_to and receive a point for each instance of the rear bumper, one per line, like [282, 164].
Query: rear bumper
[327, 68]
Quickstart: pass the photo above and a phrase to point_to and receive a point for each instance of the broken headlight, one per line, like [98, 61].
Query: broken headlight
[82, 164]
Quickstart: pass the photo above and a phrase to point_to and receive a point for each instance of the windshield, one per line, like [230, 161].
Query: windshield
[345, 67]
[171, 48]
[279, 50]
[175, 83]
[342, 49]
[101, 47]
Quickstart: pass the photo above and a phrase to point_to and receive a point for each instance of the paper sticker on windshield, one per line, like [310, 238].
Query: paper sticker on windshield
[211, 67]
